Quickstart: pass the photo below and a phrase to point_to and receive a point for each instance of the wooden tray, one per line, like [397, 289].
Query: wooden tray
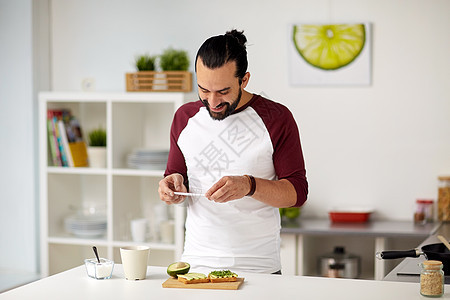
[165, 81]
[174, 283]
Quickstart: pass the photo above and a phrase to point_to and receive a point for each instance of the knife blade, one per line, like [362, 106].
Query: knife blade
[189, 194]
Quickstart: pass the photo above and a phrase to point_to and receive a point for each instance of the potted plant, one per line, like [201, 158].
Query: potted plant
[173, 77]
[145, 62]
[174, 63]
[290, 214]
[174, 60]
[142, 80]
[97, 148]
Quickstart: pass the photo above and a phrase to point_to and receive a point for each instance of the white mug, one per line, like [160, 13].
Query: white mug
[134, 261]
[138, 230]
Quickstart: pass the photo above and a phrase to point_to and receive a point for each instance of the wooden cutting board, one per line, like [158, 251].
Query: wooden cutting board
[174, 283]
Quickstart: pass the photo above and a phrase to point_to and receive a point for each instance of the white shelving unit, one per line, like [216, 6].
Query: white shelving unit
[131, 120]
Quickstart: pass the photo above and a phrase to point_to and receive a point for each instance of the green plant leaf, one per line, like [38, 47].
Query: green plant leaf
[174, 60]
[97, 137]
[145, 62]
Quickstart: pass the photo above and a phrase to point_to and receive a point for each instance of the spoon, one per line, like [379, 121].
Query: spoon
[96, 253]
[444, 240]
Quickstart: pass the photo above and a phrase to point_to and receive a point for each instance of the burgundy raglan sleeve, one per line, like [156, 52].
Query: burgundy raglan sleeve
[288, 155]
[176, 162]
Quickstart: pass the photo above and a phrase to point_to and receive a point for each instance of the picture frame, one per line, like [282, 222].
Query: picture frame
[305, 66]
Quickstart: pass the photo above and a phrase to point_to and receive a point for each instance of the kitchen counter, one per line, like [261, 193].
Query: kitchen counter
[408, 269]
[75, 284]
[371, 228]
[296, 237]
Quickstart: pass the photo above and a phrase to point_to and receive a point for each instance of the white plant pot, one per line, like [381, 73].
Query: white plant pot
[97, 157]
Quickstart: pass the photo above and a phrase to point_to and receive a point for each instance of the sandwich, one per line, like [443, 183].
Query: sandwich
[222, 276]
[213, 277]
[189, 278]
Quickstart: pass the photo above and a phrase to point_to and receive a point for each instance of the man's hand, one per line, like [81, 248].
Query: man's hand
[228, 188]
[168, 185]
[276, 193]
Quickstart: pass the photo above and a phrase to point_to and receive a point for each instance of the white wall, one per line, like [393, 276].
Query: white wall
[381, 145]
[18, 213]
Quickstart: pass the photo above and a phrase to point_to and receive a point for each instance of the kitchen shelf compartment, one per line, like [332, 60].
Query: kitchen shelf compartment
[139, 126]
[90, 115]
[137, 197]
[68, 256]
[70, 194]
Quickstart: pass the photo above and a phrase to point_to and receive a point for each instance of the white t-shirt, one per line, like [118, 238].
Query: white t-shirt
[243, 234]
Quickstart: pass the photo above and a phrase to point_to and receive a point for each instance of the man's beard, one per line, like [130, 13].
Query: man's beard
[230, 108]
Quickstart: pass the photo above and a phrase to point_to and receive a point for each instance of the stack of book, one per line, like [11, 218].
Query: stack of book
[66, 143]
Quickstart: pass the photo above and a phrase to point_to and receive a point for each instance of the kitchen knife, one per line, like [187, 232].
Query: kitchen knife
[189, 194]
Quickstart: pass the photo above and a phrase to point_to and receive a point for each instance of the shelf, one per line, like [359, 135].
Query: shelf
[77, 241]
[69, 170]
[95, 171]
[152, 245]
[88, 97]
[135, 172]
[132, 121]
[104, 242]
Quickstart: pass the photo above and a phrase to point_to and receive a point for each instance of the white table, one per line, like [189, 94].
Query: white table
[75, 284]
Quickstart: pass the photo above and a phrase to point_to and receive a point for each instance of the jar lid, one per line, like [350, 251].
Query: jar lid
[424, 201]
[444, 177]
[432, 264]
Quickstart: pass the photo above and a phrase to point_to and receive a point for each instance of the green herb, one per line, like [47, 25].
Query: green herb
[223, 273]
[97, 137]
[174, 60]
[145, 63]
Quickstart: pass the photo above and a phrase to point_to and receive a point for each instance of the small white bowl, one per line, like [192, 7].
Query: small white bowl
[102, 270]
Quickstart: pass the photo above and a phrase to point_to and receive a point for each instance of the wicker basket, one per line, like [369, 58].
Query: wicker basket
[152, 81]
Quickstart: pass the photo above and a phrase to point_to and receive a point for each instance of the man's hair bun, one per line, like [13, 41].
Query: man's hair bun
[221, 49]
[239, 35]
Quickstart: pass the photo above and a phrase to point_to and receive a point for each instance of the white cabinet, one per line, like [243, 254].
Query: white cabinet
[132, 121]
[303, 243]
[288, 253]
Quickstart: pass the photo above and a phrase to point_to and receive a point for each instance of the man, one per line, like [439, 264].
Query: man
[243, 153]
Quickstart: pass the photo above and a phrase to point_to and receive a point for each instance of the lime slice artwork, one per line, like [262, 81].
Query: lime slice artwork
[329, 47]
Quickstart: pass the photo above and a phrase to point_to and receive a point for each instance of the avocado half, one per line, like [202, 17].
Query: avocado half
[178, 268]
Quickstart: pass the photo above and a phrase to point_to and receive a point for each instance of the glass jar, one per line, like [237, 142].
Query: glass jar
[432, 278]
[444, 199]
[424, 211]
